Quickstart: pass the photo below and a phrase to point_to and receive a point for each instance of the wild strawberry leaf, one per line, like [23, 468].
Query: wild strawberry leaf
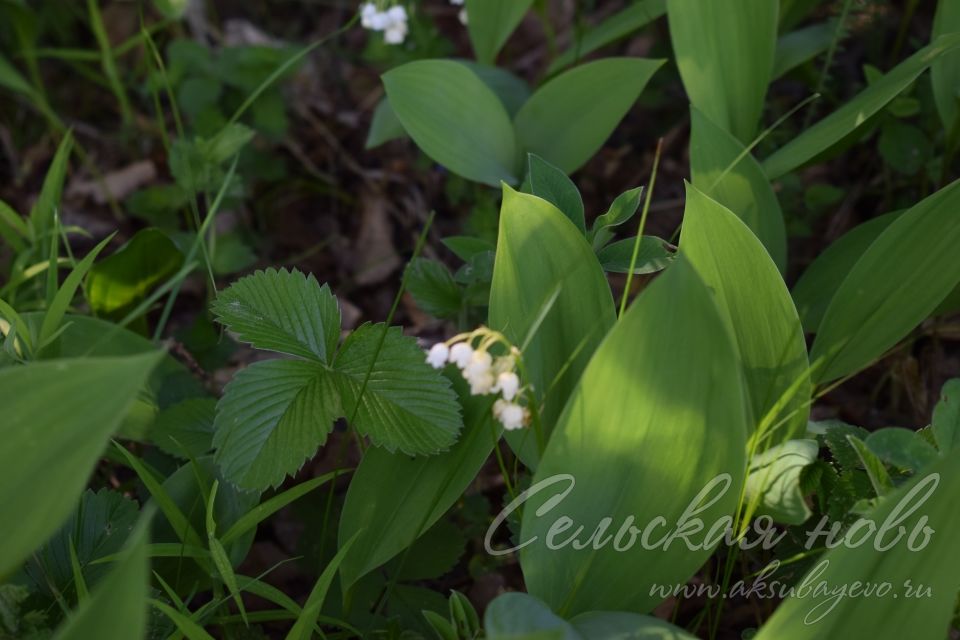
[397, 399]
[284, 311]
[272, 417]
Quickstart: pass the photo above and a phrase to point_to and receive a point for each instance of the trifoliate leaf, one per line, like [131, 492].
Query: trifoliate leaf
[272, 417]
[282, 311]
[400, 402]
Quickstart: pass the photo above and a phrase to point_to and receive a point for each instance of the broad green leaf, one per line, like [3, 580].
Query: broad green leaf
[802, 45]
[518, 616]
[570, 117]
[432, 286]
[619, 625]
[544, 264]
[117, 608]
[902, 552]
[725, 53]
[283, 311]
[653, 255]
[393, 498]
[848, 118]
[491, 22]
[755, 303]
[668, 361]
[98, 527]
[124, 278]
[946, 417]
[398, 400]
[548, 182]
[42, 215]
[902, 448]
[773, 481]
[881, 300]
[512, 90]
[385, 126]
[272, 417]
[432, 555]
[186, 428]
[945, 72]
[621, 210]
[455, 119]
[819, 282]
[742, 187]
[621, 24]
[92, 396]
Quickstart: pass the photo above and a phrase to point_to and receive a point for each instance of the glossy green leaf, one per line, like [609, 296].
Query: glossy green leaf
[455, 119]
[900, 553]
[393, 498]
[742, 187]
[124, 278]
[754, 301]
[620, 625]
[725, 53]
[117, 608]
[272, 417]
[548, 182]
[542, 255]
[881, 300]
[491, 22]
[92, 397]
[945, 72]
[848, 118]
[946, 417]
[399, 401]
[773, 481]
[659, 405]
[617, 26]
[653, 255]
[280, 310]
[570, 117]
[819, 282]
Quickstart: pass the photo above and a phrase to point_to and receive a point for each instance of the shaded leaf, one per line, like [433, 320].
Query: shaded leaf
[548, 182]
[123, 279]
[186, 428]
[570, 117]
[432, 285]
[490, 24]
[881, 300]
[653, 255]
[901, 448]
[455, 119]
[945, 71]
[774, 480]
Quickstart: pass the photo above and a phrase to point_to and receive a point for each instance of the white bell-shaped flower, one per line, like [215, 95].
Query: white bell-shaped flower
[508, 383]
[460, 354]
[512, 416]
[437, 356]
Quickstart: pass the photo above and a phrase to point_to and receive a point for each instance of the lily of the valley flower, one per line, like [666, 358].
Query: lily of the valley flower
[484, 373]
[392, 21]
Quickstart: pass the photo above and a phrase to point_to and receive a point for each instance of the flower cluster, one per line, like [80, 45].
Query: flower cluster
[463, 11]
[484, 373]
[392, 21]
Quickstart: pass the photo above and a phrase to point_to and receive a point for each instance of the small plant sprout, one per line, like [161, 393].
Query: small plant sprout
[391, 20]
[485, 373]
